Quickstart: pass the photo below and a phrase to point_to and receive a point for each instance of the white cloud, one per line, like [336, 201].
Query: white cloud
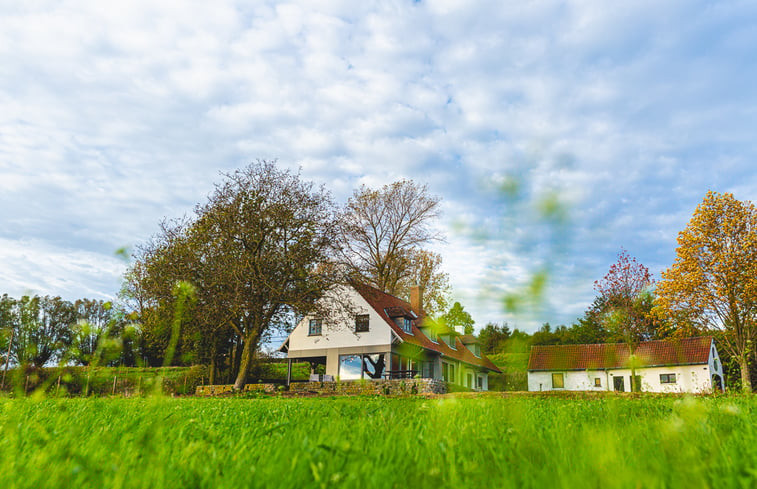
[117, 115]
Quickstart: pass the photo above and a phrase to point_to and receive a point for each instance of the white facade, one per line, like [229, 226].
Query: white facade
[697, 378]
[338, 339]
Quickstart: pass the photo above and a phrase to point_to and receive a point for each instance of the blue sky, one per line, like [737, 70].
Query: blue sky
[113, 116]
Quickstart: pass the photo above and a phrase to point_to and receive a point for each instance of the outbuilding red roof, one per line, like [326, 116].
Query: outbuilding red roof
[382, 302]
[686, 351]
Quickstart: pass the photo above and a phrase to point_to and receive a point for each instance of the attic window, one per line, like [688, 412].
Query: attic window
[361, 323]
[450, 340]
[315, 327]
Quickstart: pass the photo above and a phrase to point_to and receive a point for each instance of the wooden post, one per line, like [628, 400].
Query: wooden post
[57, 389]
[139, 387]
[7, 358]
[113, 393]
[289, 371]
[26, 385]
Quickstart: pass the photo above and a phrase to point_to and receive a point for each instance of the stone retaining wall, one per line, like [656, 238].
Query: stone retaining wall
[382, 387]
[214, 390]
[348, 387]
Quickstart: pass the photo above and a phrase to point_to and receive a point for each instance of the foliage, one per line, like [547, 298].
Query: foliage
[713, 282]
[492, 337]
[523, 442]
[458, 318]
[257, 252]
[625, 301]
[382, 234]
[49, 329]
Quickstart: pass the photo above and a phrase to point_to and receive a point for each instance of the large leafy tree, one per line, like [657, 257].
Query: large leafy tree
[712, 285]
[258, 251]
[625, 304]
[383, 234]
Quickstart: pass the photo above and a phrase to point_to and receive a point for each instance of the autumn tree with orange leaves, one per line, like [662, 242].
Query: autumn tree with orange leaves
[712, 285]
[624, 304]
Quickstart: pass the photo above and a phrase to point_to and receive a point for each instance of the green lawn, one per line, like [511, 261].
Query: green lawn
[521, 441]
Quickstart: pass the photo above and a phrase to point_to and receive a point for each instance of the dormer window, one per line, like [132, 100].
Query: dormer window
[476, 349]
[407, 326]
[450, 340]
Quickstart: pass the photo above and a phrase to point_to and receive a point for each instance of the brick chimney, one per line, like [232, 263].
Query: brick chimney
[416, 299]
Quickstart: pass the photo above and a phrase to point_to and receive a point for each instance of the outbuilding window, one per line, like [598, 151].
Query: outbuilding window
[558, 381]
[667, 378]
[597, 382]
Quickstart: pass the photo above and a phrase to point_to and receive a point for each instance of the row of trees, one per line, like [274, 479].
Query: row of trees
[38, 330]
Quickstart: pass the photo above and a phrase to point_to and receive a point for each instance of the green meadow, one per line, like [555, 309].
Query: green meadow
[487, 441]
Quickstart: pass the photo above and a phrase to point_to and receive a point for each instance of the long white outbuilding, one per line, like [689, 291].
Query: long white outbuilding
[683, 365]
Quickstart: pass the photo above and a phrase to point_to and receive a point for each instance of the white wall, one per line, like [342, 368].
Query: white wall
[338, 335]
[581, 380]
[341, 334]
[689, 378]
[716, 365]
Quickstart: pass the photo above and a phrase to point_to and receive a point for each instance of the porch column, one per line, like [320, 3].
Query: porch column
[289, 371]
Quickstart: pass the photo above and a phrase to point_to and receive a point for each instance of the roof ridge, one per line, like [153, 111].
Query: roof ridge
[665, 340]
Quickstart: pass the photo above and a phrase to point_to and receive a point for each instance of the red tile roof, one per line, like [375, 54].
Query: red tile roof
[685, 351]
[381, 302]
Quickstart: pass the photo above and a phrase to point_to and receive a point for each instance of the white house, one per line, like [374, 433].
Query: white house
[387, 338]
[683, 365]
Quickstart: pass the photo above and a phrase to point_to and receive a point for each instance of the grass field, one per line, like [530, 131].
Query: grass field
[521, 441]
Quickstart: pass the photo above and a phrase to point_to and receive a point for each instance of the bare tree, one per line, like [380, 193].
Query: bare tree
[382, 234]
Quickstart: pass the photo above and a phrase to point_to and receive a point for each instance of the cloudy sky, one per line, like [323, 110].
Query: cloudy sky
[621, 114]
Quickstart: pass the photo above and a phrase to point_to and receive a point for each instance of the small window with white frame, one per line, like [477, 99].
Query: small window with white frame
[315, 327]
[597, 382]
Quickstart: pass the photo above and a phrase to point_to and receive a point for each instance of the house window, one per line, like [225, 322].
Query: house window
[350, 367]
[361, 323]
[427, 370]
[448, 372]
[480, 383]
[315, 327]
[450, 340]
[407, 325]
[715, 364]
[374, 365]
[558, 381]
[476, 350]
[470, 380]
[597, 382]
[667, 378]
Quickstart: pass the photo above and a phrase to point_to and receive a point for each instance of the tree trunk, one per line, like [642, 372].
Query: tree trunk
[212, 371]
[245, 363]
[746, 382]
[212, 366]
